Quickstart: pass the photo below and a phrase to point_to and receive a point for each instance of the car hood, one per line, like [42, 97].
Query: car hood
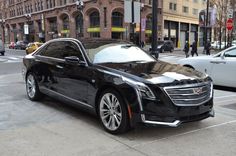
[157, 72]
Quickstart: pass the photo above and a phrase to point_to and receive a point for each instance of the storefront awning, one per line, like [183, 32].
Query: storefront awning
[91, 30]
[65, 31]
[148, 31]
[118, 29]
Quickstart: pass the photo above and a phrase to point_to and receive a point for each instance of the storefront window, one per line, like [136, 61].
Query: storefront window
[117, 25]
[79, 25]
[94, 23]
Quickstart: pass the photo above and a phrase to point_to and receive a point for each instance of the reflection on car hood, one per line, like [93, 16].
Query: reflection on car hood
[154, 72]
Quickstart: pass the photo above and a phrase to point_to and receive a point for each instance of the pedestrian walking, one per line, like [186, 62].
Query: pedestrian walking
[194, 48]
[208, 47]
[186, 49]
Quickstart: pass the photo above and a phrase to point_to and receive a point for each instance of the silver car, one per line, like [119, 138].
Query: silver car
[2, 48]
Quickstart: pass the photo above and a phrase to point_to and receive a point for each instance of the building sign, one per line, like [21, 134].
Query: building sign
[132, 11]
[26, 29]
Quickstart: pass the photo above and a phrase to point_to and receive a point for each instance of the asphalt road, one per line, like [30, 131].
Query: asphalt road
[50, 127]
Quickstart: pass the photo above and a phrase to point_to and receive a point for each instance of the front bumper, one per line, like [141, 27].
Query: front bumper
[176, 123]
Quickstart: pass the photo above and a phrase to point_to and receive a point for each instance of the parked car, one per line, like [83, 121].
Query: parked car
[2, 48]
[220, 67]
[20, 45]
[119, 82]
[31, 47]
[166, 45]
[11, 45]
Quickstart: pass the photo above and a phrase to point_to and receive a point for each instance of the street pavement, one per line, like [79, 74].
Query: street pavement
[50, 127]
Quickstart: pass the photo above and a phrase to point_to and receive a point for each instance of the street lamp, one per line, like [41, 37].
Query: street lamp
[2, 23]
[26, 26]
[79, 4]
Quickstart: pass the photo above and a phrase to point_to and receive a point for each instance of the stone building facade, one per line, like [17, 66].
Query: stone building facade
[181, 20]
[42, 20]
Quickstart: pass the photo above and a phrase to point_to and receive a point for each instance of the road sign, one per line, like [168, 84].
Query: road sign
[26, 29]
[229, 24]
[230, 13]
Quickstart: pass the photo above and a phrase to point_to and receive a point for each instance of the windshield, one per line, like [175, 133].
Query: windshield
[118, 53]
[160, 42]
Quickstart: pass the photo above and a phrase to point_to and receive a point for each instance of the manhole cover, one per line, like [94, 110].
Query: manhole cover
[230, 106]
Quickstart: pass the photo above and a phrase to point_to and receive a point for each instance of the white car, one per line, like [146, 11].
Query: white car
[220, 67]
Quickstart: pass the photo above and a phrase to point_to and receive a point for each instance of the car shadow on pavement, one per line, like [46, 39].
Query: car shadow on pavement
[225, 88]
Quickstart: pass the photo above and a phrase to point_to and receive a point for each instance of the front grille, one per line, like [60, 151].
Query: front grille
[190, 95]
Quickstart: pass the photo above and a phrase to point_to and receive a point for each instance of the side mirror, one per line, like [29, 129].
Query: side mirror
[222, 56]
[74, 60]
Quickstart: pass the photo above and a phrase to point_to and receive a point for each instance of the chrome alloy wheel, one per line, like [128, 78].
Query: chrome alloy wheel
[110, 111]
[30, 86]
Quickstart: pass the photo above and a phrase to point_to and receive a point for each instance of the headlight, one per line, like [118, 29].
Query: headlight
[146, 92]
[142, 89]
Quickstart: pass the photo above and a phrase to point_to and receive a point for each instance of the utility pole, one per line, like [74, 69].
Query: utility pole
[206, 24]
[154, 28]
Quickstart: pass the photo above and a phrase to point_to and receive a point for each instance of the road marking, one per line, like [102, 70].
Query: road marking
[13, 58]
[219, 97]
[185, 133]
[223, 101]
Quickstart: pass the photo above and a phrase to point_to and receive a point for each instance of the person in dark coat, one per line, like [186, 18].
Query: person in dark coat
[186, 49]
[194, 48]
[208, 47]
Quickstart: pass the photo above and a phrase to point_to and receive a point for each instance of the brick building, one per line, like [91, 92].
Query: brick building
[48, 19]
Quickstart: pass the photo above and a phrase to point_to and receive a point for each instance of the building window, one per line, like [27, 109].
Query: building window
[65, 23]
[117, 19]
[94, 19]
[149, 22]
[79, 25]
[195, 11]
[185, 9]
[94, 22]
[117, 25]
[195, 1]
[172, 6]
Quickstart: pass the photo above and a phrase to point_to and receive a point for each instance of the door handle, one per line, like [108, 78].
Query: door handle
[58, 66]
[218, 62]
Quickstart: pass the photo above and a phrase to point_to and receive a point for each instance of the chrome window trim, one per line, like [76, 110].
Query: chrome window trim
[60, 40]
[190, 85]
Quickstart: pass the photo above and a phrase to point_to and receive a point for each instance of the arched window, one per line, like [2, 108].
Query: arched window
[79, 25]
[94, 19]
[117, 19]
[65, 20]
[149, 22]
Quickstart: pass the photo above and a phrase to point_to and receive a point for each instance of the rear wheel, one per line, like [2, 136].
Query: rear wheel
[32, 88]
[113, 112]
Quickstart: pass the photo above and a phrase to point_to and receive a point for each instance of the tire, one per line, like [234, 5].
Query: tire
[2, 53]
[113, 112]
[32, 88]
[161, 50]
[171, 50]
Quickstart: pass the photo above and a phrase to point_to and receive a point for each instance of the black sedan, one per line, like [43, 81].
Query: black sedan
[162, 46]
[119, 82]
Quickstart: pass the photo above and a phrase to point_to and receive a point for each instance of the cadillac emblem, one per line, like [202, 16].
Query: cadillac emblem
[197, 90]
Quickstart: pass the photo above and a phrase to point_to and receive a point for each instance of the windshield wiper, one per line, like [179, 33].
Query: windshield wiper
[127, 46]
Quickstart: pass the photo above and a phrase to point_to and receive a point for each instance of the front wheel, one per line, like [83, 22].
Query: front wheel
[113, 112]
[32, 88]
